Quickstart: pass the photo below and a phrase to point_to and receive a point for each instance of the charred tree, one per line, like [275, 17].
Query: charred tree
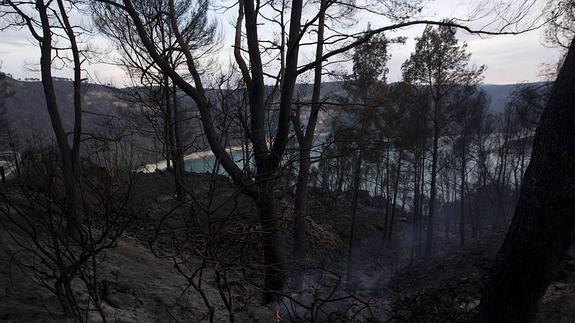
[49, 25]
[543, 222]
[440, 65]
[305, 140]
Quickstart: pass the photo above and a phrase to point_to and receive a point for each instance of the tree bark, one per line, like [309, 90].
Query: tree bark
[173, 138]
[354, 203]
[433, 193]
[300, 204]
[394, 202]
[70, 156]
[416, 215]
[462, 198]
[274, 276]
[179, 164]
[543, 222]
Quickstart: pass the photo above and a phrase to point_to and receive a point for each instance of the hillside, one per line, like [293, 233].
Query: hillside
[26, 108]
[103, 106]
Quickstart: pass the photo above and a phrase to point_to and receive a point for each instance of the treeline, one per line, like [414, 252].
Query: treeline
[428, 146]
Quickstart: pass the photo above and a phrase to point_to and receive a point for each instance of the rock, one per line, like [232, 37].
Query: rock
[261, 314]
[164, 198]
[469, 305]
[379, 201]
[561, 286]
[363, 196]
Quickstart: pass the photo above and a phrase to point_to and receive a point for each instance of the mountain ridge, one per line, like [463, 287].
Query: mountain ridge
[26, 110]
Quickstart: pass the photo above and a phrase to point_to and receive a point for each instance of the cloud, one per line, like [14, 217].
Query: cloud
[512, 58]
[509, 59]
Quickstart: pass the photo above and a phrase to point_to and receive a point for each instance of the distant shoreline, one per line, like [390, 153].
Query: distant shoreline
[163, 165]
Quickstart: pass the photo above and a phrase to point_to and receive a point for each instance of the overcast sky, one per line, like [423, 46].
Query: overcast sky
[509, 58]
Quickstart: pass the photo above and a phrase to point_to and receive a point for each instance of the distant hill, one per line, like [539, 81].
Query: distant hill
[27, 113]
[102, 105]
[497, 92]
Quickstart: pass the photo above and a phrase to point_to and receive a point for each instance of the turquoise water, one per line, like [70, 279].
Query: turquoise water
[207, 163]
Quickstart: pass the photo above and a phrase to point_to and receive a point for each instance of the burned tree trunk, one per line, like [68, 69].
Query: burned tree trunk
[274, 277]
[354, 204]
[542, 226]
[462, 197]
[179, 164]
[70, 155]
[433, 193]
[306, 143]
[174, 138]
[394, 200]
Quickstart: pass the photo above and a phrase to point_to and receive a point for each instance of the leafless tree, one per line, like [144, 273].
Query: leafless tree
[269, 147]
[440, 64]
[152, 88]
[33, 214]
[49, 25]
[470, 105]
[542, 225]
[561, 22]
